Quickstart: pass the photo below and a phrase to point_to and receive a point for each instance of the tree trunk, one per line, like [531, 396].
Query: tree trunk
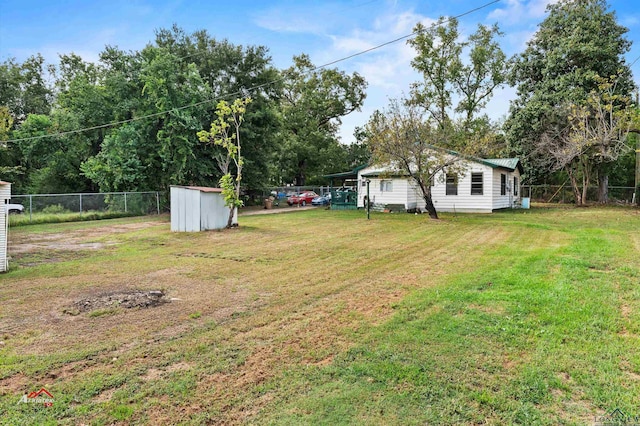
[585, 187]
[574, 186]
[431, 209]
[603, 188]
[586, 178]
[301, 178]
[231, 214]
[426, 195]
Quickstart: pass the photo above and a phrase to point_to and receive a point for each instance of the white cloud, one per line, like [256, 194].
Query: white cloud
[280, 23]
[352, 43]
[517, 12]
[302, 18]
[630, 20]
[387, 70]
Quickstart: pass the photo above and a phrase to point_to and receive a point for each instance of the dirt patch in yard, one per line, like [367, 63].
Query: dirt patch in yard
[119, 299]
[76, 240]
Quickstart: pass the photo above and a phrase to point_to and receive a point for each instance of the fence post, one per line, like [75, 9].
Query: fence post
[125, 202]
[30, 206]
[158, 202]
[80, 203]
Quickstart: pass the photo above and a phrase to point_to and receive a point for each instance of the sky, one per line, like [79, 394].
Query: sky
[325, 30]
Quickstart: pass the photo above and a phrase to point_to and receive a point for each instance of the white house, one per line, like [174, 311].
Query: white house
[485, 185]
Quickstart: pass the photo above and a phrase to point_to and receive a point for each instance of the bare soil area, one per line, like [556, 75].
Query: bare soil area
[119, 299]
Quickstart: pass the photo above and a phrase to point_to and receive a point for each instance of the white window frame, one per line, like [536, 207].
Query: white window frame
[481, 183]
[386, 185]
[446, 184]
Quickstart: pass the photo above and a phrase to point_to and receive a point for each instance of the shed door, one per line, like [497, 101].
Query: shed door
[185, 210]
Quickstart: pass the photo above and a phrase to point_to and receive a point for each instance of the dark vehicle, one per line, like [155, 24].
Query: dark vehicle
[303, 198]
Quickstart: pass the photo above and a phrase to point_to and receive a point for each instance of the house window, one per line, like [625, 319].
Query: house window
[452, 185]
[503, 184]
[386, 185]
[476, 183]
[515, 185]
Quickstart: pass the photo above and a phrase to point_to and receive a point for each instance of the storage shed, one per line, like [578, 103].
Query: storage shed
[5, 196]
[198, 208]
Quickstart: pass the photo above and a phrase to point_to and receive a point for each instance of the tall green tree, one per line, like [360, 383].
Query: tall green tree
[164, 145]
[312, 106]
[579, 41]
[9, 165]
[596, 134]
[51, 164]
[230, 70]
[459, 77]
[225, 132]
[414, 137]
[24, 89]
[184, 74]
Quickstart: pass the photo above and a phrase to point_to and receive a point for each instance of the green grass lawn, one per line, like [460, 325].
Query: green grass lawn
[321, 317]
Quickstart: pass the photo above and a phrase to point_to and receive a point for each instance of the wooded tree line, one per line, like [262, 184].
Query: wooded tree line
[289, 134]
[569, 123]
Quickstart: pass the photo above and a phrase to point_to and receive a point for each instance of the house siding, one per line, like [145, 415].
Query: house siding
[464, 201]
[406, 192]
[398, 195]
[508, 200]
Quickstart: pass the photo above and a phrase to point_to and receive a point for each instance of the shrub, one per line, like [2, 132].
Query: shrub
[55, 209]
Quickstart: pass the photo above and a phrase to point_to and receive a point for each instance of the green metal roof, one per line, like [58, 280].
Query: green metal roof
[502, 163]
[384, 173]
[350, 173]
[505, 163]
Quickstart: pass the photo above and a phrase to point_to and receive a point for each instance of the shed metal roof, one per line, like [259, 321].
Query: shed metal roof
[199, 188]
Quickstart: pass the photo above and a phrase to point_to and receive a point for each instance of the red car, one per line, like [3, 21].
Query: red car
[302, 198]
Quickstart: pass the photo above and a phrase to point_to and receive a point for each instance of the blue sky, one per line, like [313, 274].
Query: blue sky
[326, 30]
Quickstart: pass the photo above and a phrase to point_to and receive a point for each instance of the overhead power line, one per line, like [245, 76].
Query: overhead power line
[251, 89]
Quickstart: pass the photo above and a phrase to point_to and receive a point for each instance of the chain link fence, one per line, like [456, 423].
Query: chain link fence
[564, 194]
[129, 203]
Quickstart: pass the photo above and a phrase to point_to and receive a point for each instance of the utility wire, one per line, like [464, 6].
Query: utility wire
[254, 88]
[634, 61]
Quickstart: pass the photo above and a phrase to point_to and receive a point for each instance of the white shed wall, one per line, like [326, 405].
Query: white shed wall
[5, 196]
[214, 214]
[185, 210]
[195, 210]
